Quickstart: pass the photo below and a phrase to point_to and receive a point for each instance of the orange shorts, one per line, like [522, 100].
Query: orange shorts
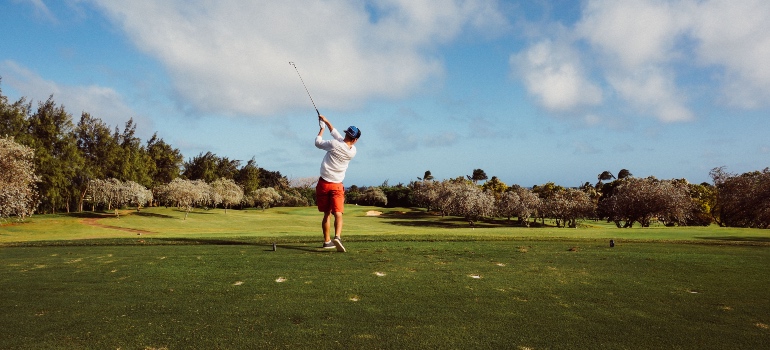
[330, 196]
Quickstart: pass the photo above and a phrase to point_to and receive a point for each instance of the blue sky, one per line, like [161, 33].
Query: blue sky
[529, 91]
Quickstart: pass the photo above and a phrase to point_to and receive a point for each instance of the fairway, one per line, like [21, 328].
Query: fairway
[409, 281]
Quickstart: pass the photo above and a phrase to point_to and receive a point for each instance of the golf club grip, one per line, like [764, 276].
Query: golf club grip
[317, 112]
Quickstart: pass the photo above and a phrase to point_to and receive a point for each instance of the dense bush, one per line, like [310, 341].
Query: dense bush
[742, 200]
[296, 197]
[18, 195]
[373, 196]
[642, 200]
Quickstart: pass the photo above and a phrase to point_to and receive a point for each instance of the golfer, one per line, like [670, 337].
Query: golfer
[330, 193]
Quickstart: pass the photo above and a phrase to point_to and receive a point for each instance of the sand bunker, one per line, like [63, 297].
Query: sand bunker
[373, 213]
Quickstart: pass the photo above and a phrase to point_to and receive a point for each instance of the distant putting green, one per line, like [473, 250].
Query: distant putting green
[409, 280]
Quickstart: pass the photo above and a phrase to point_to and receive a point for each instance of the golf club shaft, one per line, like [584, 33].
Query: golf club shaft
[306, 90]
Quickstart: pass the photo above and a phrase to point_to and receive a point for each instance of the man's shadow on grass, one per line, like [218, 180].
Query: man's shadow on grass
[302, 248]
[226, 242]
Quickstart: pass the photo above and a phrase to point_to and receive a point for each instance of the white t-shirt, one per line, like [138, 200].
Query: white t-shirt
[338, 156]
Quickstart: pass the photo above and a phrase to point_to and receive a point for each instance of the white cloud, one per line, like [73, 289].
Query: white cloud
[642, 36]
[101, 102]
[652, 91]
[634, 33]
[636, 43]
[553, 73]
[735, 35]
[638, 49]
[232, 56]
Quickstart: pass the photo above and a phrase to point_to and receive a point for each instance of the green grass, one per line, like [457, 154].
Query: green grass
[408, 281]
[278, 223]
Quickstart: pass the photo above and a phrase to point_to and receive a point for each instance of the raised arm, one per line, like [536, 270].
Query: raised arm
[319, 142]
[325, 121]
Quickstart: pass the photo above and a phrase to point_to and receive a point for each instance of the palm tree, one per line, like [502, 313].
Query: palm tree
[605, 175]
[427, 177]
[624, 173]
[478, 175]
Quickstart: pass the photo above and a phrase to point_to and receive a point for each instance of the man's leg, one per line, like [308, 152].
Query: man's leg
[323, 199]
[337, 224]
[337, 231]
[326, 225]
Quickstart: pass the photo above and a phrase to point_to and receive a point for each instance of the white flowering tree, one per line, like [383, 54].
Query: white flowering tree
[303, 182]
[567, 206]
[229, 192]
[18, 195]
[457, 197]
[444, 200]
[471, 202]
[266, 197]
[741, 200]
[114, 194]
[185, 194]
[507, 204]
[138, 195]
[111, 193]
[529, 204]
[642, 200]
[212, 198]
[373, 196]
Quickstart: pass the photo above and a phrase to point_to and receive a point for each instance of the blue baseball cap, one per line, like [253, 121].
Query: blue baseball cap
[353, 132]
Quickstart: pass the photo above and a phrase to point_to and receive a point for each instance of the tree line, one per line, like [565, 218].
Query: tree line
[52, 163]
[49, 163]
[736, 200]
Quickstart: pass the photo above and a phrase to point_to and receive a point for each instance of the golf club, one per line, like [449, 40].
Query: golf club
[320, 123]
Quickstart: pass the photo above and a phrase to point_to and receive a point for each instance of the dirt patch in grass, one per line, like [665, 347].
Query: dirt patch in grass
[94, 222]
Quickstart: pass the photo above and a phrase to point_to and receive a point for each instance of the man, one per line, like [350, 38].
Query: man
[330, 193]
